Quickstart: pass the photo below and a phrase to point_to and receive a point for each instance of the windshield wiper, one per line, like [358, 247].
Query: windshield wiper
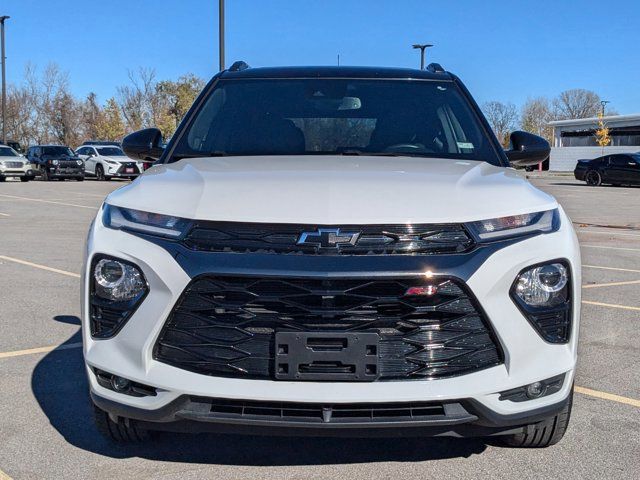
[379, 154]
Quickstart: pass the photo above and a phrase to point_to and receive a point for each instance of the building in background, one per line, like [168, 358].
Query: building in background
[575, 139]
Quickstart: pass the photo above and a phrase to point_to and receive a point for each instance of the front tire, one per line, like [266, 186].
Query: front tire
[100, 173]
[122, 431]
[79, 179]
[545, 433]
[45, 175]
[593, 178]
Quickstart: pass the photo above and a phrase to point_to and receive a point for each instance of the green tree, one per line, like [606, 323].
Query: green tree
[111, 125]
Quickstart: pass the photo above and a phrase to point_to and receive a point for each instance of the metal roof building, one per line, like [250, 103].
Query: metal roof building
[624, 131]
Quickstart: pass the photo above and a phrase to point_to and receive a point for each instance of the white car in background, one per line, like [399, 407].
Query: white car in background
[108, 161]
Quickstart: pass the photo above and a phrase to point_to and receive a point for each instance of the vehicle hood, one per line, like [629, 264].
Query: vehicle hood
[60, 157]
[117, 158]
[332, 190]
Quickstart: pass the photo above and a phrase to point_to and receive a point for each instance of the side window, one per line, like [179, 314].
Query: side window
[619, 160]
[81, 151]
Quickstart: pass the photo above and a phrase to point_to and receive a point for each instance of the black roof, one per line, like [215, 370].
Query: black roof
[336, 72]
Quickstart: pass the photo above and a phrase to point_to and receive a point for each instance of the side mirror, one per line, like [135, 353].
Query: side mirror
[527, 149]
[144, 144]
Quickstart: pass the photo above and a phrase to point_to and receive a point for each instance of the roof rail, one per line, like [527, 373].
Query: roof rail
[239, 66]
[435, 68]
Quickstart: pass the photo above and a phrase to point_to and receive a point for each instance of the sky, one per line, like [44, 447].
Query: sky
[502, 50]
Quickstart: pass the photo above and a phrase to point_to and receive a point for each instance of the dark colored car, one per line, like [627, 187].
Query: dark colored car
[617, 169]
[56, 161]
[13, 144]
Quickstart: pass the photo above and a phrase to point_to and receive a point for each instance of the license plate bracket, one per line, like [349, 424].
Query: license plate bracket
[326, 356]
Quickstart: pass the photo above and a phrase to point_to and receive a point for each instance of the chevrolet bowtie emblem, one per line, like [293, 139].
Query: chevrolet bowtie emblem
[328, 238]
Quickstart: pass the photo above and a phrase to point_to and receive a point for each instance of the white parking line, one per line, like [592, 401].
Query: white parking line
[612, 268]
[41, 267]
[611, 305]
[47, 201]
[611, 248]
[31, 351]
[4, 215]
[611, 284]
[600, 232]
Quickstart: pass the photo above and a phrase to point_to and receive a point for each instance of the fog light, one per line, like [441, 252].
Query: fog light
[120, 384]
[535, 390]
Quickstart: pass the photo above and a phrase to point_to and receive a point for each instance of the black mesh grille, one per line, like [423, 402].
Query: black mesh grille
[225, 326]
[328, 240]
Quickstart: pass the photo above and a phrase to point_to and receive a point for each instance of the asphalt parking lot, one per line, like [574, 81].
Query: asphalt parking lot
[46, 429]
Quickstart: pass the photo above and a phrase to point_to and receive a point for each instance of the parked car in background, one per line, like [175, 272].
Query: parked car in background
[617, 169]
[56, 161]
[12, 164]
[15, 145]
[101, 142]
[108, 161]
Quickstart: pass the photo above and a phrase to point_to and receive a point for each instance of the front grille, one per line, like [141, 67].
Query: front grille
[13, 164]
[226, 325]
[125, 165]
[329, 240]
[69, 164]
[295, 412]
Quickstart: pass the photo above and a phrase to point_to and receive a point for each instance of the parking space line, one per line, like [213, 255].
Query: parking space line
[608, 396]
[47, 201]
[31, 351]
[611, 284]
[611, 305]
[4, 215]
[612, 268]
[41, 267]
[4, 476]
[611, 248]
[600, 232]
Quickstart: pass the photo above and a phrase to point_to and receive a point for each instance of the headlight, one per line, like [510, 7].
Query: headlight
[543, 294]
[79, 162]
[117, 281]
[516, 225]
[117, 288]
[543, 286]
[144, 222]
[111, 162]
[55, 162]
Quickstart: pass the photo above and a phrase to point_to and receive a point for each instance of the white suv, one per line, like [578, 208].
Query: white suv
[12, 164]
[333, 251]
[108, 161]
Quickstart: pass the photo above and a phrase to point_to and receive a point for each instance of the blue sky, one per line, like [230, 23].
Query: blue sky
[503, 50]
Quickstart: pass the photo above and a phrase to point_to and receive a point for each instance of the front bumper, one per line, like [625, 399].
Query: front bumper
[456, 418]
[17, 172]
[528, 358]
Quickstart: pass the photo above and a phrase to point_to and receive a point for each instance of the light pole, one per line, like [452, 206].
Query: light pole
[4, 82]
[422, 47]
[221, 32]
[603, 103]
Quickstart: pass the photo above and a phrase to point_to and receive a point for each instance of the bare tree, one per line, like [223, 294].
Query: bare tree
[535, 116]
[502, 117]
[576, 103]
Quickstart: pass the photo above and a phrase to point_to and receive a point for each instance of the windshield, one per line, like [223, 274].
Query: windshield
[336, 116]
[8, 152]
[57, 151]
[110, 151]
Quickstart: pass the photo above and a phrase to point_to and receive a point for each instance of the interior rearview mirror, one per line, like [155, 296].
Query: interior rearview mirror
[144, 144]
[527, 149]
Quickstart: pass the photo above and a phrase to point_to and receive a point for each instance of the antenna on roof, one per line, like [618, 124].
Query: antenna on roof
[435, 68]
[239, 66]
